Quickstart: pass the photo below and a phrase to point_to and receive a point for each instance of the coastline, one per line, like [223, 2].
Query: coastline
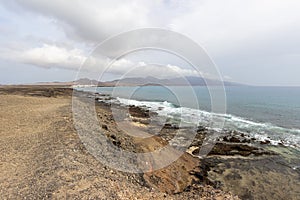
[43, 157]
[237, 163]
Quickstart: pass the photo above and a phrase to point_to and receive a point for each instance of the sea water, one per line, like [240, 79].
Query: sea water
[271, 113]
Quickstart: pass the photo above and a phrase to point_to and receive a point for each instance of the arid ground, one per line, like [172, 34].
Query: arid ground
[42, 156]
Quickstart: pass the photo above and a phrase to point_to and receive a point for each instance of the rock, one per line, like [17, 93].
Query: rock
[139, 112]
[234, 139]
[237, 138]
[193, 150]
[113, 137]
[225, 139]
[201, 129]
[230, 149]
[265, 142]
[170, 126]
[246, 140]
[116, 143]
[104, 126]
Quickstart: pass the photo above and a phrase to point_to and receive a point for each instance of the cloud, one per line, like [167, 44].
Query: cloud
[224, 28]
[93, 20]
[229, 26]
[243, 37]
[127, 68]
[46, 56]
[53, 56]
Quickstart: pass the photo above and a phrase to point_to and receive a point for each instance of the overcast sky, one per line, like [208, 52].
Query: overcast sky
[251, 41]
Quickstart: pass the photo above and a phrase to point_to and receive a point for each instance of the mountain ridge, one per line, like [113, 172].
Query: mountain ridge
[145, 81]
[177, 81]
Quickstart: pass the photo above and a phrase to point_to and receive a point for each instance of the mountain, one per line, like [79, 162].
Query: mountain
[139, 81]
[86, 81]
[180, 81]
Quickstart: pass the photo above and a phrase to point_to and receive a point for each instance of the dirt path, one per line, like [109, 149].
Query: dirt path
[24, 122]
[42, 157]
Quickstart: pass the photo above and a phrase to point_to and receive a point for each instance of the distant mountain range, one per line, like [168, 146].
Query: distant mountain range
[182, 81]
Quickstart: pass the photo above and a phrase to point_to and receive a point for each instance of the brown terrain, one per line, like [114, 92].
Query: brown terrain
[42, 156]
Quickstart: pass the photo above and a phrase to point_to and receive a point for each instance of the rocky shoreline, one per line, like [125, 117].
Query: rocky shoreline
[237, 163]
[238, 166]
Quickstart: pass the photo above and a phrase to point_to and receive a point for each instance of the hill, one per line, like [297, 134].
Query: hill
[178, 81]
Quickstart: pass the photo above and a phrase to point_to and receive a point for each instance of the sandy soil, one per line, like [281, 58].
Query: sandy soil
[41, 156]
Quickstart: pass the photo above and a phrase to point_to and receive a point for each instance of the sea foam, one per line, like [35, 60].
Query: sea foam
[261, 131]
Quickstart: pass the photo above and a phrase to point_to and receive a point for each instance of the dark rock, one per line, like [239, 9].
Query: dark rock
[171, 126]
[238, 149]
[201, 129]
[113, 137]
[234, 139]
[139, 112]
[160, 108]
[116, 143]
[104, 127]
[225, 139]
[265, 142]
[246, 140]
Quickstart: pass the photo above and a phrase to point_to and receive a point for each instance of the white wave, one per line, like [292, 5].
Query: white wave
[260, 131]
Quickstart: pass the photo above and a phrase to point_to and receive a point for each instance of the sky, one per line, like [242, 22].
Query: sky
[255, 42]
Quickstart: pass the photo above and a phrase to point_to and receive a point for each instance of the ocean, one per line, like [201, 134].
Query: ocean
[271, 113]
